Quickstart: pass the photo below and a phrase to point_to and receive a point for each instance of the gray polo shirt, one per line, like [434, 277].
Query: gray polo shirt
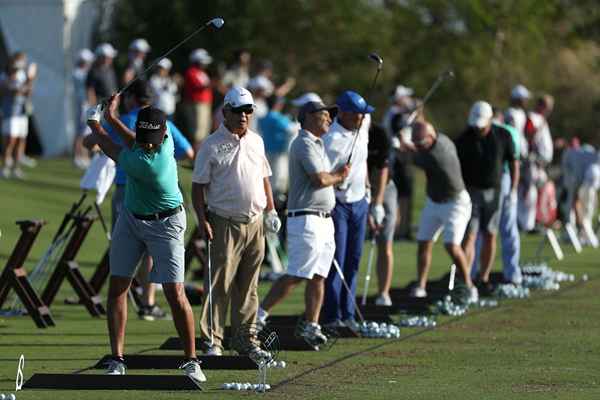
[308, 157]
[442, 168]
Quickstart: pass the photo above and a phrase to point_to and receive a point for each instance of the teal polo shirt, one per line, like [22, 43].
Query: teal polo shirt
[516, 139]
[152, 182]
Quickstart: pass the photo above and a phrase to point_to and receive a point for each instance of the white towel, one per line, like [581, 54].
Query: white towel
[99, 176]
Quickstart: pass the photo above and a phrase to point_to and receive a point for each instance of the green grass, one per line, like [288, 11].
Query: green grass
[540, 348]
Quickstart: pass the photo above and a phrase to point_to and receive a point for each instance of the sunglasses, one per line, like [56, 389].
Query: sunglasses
[243, 109]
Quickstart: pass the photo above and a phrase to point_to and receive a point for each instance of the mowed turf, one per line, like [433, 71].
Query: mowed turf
[540, 348]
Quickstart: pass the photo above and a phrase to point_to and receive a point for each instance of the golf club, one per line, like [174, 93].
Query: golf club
[341, 274]
[368, 276]
[210, 316]
[215, 22]
[452, 275]
[376, 58]
[447, 74]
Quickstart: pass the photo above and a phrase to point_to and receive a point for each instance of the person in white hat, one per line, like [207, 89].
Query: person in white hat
[138, 50]
[198, 96]
[516, 114]
[164, 87]
[101, 81]
[232, 197]
[482, 149]
[84, 61]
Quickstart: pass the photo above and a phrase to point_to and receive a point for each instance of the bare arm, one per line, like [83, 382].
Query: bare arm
[269, 194]
[200, 208]
[382, 178]
[324, 179]
[112, 118]
[514, 167]
[100, 137]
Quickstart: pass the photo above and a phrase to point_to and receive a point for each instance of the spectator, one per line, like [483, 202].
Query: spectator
[165, 88]
[198, 95]
[101, 80]
[239, 73]
[85, 58]
[138, 50]
[516, 114]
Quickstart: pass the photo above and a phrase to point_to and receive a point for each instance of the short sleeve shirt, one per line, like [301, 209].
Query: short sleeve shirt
[103, 80]
[233, 169]
[152, 181]
[308, 157]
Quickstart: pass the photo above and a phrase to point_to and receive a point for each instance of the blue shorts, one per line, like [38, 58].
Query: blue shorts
[163, 239]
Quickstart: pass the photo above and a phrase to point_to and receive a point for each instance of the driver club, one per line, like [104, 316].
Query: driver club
[447, 74]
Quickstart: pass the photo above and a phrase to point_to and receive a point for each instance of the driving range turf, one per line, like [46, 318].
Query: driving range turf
[540, 348]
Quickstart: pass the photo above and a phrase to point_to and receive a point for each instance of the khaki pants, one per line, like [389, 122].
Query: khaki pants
[203, 121]
[236, 253]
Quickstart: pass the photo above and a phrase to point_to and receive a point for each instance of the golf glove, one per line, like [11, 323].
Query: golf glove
[94, 113]
[378, 213]
[272, 222]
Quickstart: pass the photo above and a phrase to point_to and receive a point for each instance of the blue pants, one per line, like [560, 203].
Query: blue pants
[510, 239]
[350, 221]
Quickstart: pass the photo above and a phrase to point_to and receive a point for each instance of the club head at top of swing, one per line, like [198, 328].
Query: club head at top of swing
[375, 57]
[216, 22]
[449, 74]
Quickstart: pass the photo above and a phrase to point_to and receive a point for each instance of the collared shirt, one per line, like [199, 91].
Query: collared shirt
[516, 117]
[308, 157]
[338, 142]
[196, 88]
[233, 169]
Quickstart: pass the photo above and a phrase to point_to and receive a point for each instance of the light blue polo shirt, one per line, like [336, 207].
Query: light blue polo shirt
[516, 139]
[151, 178]
[182, 145]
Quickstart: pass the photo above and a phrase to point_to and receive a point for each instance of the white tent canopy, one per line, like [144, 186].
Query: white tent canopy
[50, 32]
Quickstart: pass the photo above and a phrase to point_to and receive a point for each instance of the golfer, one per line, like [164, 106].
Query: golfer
[230, 192]
[447, 206]
[482, 150]
[311, 198]
[152, 220]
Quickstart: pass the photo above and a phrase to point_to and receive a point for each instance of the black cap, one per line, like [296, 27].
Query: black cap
[313, 107]
[141, 90]
[150, 126]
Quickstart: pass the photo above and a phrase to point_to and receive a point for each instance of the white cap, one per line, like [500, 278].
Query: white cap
[85, 55]
[140, 45]
[200, 56]
[402, 91]
[481, 114]
[261, 82]
[520, 92]
[237, 97]
[165, 63]
[305, 98]
[105, 50]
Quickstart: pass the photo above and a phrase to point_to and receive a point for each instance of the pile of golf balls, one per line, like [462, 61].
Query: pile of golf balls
[276, 364]
[246, 386]
[9, 396]
[373, 329]
[448, 307]
[487, 303]
[510, 291]
[418, 321]
[540, 276]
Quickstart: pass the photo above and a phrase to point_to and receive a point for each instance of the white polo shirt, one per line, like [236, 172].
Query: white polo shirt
[338, 142]
[233, 169]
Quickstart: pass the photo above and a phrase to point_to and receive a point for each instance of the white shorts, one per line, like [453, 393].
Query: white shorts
[311, 246]
[452, 217]
[16, 127]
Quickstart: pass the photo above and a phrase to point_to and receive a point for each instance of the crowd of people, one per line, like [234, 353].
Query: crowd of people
[333, 174]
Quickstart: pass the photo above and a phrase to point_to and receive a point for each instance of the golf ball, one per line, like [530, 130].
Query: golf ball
[2, 396]
[282, 364]
[237, 386]
[226, 386]
[11, 397]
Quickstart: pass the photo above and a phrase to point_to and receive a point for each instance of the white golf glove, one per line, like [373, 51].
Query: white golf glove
[272, 222]
[378, 213]
[94, 113]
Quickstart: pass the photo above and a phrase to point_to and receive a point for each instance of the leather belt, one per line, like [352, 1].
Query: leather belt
[159, 215]
[321, 214]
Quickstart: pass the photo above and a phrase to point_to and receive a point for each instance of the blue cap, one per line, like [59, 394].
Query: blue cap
[350, 101]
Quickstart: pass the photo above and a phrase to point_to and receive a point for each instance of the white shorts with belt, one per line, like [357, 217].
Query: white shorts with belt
[311, 246]
[452, 217]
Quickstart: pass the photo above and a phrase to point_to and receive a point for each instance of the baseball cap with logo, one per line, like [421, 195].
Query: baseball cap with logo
[520, 92]
[481, 114]
[350, 101]
[313, 107]
[305, 98]
[106, 50]
[237, 97]
[150, 126]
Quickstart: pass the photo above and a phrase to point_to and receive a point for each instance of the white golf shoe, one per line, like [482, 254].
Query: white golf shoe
[115, 367]
[418, 292]
[473, 295]
[193, 371]
[311, 332]
[214, 351]
[383, 300]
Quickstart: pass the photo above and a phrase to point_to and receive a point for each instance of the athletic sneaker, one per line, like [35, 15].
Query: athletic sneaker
[261, 317]
[334, 324]
[115, 367]
[383, 300]
[6, 173]
[17, 173]
[418, 292]
[27, 161]
[473, 295]
[352, 324]
[311, 332]
[214, 351]
[193, 371]
[153, 313]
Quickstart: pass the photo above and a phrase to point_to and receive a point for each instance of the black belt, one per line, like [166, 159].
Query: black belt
[321, 214]
[159, 215]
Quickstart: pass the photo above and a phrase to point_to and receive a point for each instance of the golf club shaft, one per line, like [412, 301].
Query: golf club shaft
[441, 77]
[350, 294]
[368, 276]
[102, 220]
[210, 314]
[157, 60]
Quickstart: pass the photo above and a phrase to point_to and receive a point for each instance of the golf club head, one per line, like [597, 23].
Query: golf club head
[375, 57]
[217, 22]
[449, 74]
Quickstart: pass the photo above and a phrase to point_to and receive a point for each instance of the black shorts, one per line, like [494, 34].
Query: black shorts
[485, 212]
